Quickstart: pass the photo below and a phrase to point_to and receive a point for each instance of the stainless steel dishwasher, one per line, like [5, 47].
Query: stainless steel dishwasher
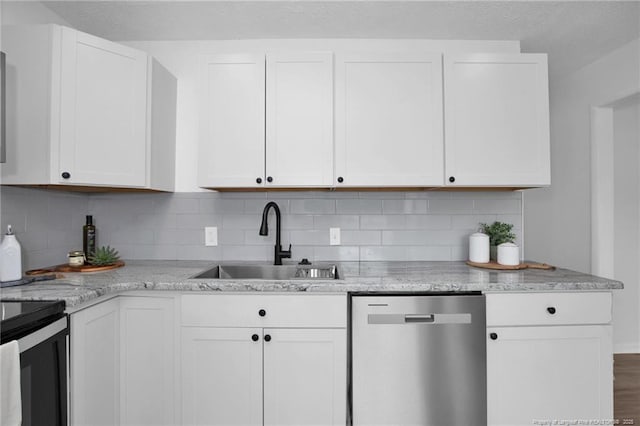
[418, 360]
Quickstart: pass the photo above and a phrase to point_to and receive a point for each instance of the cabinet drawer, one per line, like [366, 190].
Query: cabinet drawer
[548, 308]
[264, 310]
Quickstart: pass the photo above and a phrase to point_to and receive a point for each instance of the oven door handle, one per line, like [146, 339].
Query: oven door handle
[30, 340]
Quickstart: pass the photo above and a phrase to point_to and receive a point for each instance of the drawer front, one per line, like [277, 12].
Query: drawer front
[548, 308]
[264, 310]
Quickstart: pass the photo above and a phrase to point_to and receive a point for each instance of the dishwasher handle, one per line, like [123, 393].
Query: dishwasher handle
[412, 318]
[458, 318]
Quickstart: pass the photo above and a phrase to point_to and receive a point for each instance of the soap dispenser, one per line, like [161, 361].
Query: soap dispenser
[10, 257]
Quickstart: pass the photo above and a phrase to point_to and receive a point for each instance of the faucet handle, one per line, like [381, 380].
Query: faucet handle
[286, 253]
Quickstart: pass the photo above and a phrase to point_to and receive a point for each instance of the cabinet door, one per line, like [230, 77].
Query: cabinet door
[389, 120]
[305, 377]
[299, 119]
[103, 113]
[547, 373]
[147, 327]
[95, 365]
[221, 376]
[232, 121]
[497, 120]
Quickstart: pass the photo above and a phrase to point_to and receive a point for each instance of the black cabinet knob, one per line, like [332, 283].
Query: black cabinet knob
[551, 310]
[493, 336]
[255, 337]
[259, 180]
[340, 179]
[66, 175]
[269, 179]
[262, 312]
[452, 179]
[267, 338]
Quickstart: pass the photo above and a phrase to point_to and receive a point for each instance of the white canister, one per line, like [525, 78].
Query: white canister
[508, 254]
[479, 248]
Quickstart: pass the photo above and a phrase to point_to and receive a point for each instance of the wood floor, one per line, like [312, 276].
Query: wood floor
[626, 388]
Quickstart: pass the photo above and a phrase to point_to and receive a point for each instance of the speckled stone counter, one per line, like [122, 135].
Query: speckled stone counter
[76, 289]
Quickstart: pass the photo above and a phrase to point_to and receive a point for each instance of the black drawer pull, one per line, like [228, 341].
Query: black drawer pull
[551, 310]
[493, 336]
[262, 312]
[255, 337]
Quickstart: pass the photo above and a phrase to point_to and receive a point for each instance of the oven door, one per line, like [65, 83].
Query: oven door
[43, 375]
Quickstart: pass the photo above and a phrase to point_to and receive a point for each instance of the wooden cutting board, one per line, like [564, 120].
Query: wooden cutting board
[66, 268]
[495, 265]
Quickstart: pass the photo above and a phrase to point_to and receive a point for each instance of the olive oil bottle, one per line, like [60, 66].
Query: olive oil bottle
[89, 237]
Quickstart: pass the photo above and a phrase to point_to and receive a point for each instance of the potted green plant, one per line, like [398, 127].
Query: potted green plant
[498, 232]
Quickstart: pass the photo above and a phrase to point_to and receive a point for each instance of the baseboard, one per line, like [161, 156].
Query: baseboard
[626, 348]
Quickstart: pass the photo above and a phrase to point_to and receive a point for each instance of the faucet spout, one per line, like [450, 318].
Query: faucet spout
[279, 254]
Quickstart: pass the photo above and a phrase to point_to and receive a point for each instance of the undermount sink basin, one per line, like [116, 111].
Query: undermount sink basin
[271, 272]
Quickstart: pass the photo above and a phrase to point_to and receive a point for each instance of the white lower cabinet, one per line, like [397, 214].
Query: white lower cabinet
[274, 360]
[221, 376]
[541, 366]
[95, 365]
[122, 363]
[305, 376]
[147, 328]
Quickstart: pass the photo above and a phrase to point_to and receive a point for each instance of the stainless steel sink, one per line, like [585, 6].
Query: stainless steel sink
[271, 272]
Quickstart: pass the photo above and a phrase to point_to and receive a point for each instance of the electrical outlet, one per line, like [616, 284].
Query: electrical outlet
[334, 236]
[211, 236]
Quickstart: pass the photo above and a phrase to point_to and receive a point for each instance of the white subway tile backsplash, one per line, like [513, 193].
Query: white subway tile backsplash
[359, 206]
[295, 221]
[230, 236]
[199, 252]
[256, 207]
[309, 238]
[361, 238]
[313, 206]
[404, 206]
[179, 237]
[432, 221]
[388, 253]
[508, 206]
[417, 225]
[220, 206]
[471, 221]
[450, 206]
[336, 253]
[417, 253]
[336, 221]
[382, 222]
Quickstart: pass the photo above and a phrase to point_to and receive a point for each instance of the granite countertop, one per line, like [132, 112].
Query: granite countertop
[78, 288]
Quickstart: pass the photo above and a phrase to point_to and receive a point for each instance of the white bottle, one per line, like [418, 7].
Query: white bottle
[10, 257]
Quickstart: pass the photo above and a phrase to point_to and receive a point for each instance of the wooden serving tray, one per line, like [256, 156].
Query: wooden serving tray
[66, 268]
[495, 265]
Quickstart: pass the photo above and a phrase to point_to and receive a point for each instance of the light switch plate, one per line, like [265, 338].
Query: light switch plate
[334, 236]
[211, 236]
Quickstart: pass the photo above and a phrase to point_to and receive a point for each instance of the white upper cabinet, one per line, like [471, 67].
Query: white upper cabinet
[496, 120]
[389, 120]
[86, 112]
[299, 119]
[232, 121]
[103, 106]
[281, 140]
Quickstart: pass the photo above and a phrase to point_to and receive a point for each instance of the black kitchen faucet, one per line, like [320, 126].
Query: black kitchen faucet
[279, 254]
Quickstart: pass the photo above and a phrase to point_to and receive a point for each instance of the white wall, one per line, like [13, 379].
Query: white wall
[181, 58]
[27, 12]
[626, 148]
[558, 219]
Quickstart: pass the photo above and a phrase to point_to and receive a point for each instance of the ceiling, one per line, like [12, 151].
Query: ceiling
[573, 33]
